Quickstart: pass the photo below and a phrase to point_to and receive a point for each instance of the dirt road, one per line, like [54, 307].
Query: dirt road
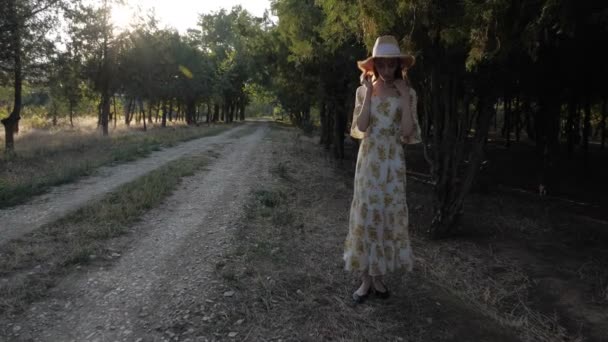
[168, 267]
[62, 200]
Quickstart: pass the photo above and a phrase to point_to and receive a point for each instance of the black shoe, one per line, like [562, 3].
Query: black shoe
[382, 294]
[359, 299]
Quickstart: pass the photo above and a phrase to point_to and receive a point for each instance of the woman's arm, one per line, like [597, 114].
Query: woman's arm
[407, 120]
[364, 116]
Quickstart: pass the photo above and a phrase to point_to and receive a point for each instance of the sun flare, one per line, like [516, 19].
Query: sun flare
[121, 16]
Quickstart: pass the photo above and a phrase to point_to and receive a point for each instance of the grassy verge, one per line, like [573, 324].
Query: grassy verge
[33, 263]
[63, 157]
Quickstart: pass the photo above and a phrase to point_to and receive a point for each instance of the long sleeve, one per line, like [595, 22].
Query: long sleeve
[359, 98]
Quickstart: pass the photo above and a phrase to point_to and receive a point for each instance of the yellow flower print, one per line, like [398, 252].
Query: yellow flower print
[381, 152]
[377, 219]
[379, 251]
[400, 213]
[364, 151]
[388, 254]
[375, 170]
[354, 263]
[391, 219]
[390, 178]
[388, 199]
[373, 234]
[360, 248]
[364, 211]
[383, 107]
[400, 174]
[373, 199]
[391, 152]
[359, 231]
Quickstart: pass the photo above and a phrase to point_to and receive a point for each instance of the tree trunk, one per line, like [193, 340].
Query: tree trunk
[242, 109]
[216, 112]
[105, 92]
[232, 111]
[569, 131]
[115, 111]
[577, 125]
[164, 117]
[54, 113]
[142, 114]
[603, 122]
[190, 112]
[179, 108]
[11, 123]
[339, 128]
[529, 121]
[547, 142]
[71, 113]
[150, 107]
[449, 140]
[587, 128]
[325, 132]
[170, 113]
[105, 110]
[508, 119]
[517, 113]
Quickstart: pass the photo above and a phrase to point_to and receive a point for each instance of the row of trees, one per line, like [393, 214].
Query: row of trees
[536, 60]
[539, 59]
[148, 68]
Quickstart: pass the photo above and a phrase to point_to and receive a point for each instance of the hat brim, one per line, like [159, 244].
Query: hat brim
[367, 65]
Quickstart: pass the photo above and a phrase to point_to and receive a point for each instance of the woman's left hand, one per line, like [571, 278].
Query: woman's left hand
[401, 87]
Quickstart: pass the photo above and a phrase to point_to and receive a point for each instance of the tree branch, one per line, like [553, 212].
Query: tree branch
[35, 11]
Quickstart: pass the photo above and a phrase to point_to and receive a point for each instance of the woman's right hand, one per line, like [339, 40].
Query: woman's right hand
[366, 81]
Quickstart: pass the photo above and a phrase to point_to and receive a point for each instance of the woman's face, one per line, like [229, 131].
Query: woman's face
[386, 68]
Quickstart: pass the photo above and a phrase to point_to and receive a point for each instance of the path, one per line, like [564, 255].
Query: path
[170, 265]
[61, 200]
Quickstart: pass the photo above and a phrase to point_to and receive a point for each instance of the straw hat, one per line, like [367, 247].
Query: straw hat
[386, 47]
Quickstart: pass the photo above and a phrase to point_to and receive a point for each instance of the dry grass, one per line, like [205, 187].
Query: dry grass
[49, 158]
[33, 263]
[595, 272]
[496, 287]
[287, 266]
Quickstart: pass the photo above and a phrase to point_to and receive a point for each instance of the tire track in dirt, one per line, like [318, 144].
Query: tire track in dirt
[62, 200]
[169, 267]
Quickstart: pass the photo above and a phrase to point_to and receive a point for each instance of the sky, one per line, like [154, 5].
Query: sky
[182, 14]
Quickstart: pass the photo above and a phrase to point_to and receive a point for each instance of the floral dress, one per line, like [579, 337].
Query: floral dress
[378, 240]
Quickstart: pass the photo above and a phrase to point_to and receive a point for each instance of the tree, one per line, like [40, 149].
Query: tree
[24, 49]
[229, 40]
[92, 38]
[473, 54]
[316, 65]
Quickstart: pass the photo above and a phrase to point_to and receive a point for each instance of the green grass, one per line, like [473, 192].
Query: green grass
[61, 158]
[33, 263]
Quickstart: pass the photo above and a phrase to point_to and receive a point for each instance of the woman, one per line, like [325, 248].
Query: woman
[384, 118]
